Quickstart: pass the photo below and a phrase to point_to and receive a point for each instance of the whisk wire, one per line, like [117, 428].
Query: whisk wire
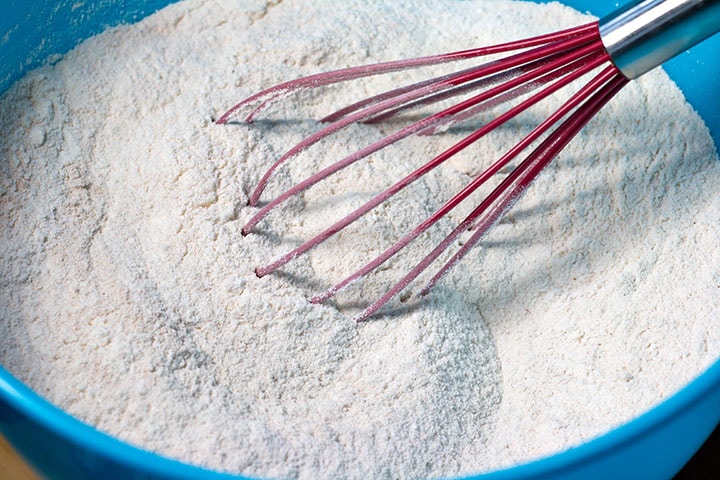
[267, 97]
[398, 186]
[509, 191]
[494, 201]
[568, 46]
[533, 70]
[521, 81]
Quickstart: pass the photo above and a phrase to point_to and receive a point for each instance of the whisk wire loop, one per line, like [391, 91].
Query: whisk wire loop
[442, 157]
[267, 97]
[502, 197]
[439, 84]
[576, 52]
[531, 71]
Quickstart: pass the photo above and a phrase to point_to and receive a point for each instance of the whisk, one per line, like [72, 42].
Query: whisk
[618, 48]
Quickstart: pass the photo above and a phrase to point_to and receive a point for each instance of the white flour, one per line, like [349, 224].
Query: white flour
[128, 297]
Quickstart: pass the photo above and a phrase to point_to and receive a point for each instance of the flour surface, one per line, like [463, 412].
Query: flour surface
[127, 293]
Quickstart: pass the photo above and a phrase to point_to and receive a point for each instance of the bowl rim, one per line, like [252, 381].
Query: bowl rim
[85, 436]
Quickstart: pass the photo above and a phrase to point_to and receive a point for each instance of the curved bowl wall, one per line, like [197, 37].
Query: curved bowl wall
[654, 445]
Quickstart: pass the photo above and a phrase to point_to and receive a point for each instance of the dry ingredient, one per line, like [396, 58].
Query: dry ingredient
[127, 295]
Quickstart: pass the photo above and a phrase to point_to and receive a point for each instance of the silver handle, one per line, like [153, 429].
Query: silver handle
[646, 33]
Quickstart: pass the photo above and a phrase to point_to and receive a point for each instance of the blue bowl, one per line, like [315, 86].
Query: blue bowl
[654, 445]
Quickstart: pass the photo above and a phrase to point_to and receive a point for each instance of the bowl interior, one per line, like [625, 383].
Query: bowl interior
[33, 32]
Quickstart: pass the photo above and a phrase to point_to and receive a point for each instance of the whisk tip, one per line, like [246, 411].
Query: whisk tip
[362, 317]
[320, 297]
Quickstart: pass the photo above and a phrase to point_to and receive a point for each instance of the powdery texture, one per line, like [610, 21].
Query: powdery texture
[128, 297]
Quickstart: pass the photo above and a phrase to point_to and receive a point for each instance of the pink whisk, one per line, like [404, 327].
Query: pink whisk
[620, 47]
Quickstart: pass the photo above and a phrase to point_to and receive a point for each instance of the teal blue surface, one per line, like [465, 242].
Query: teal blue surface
[655, 445]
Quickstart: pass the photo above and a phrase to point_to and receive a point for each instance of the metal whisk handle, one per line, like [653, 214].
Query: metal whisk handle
[646, 33]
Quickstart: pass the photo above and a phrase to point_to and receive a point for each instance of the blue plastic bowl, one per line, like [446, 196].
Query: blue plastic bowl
[654, 445]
